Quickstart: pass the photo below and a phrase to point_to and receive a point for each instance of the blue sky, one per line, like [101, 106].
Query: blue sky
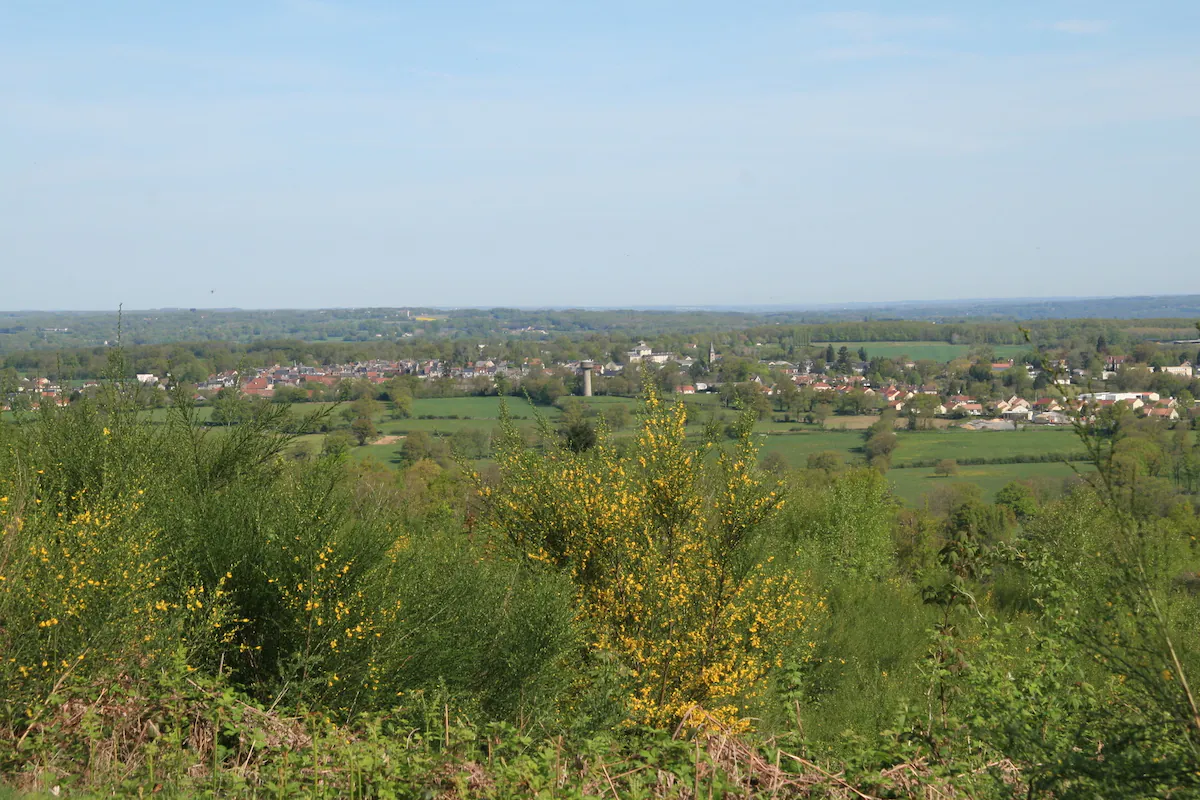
[308, 153]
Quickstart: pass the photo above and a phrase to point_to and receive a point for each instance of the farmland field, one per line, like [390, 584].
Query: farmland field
[453, 414]
[795, 442]
[911, 484]
[474, 407]
[936, 351]
[797, 447]
[849, 422]
[481, 408]
[963, 444]
[953, 443]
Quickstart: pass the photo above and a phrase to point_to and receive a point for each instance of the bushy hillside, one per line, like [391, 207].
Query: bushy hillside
[197, 610]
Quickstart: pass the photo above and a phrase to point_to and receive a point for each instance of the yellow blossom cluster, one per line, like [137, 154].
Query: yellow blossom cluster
[339, 625]
[89, 585]
[658, 538]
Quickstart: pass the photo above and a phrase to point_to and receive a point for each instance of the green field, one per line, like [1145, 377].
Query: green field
[963, 444]
[489, 407]
[794, 441]
[797, 447]
[155, 415]
[910, 484]
[474, 407]
[936, 351]
[471, 413]
[953, 443]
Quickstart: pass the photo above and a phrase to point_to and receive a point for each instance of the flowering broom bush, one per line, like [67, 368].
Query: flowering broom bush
[664, 543]
[88, 594]
[144, 552]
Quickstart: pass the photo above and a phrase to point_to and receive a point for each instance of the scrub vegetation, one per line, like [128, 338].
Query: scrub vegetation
[195, 609]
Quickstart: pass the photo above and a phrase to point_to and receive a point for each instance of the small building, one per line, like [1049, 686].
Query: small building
[643, 352]
[1184, 370]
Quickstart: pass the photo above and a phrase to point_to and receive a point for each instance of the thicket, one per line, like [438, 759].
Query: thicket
[199, 610]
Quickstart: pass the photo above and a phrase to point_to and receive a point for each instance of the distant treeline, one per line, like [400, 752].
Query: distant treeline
[192, 361]
[21, 331]
[1061, 332]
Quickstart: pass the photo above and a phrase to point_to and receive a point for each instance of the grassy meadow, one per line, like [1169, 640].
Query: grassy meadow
[920, 446]
[911, 484]
[794, 442]
[961, 444]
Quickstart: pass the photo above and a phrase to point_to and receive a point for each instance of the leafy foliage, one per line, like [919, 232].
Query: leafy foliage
[663, 545]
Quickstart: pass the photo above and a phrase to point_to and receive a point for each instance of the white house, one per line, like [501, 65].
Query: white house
[1184, 370]
[643, 352]
[1135, 399]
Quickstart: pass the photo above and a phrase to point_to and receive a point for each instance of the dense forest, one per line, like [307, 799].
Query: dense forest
[188, 609]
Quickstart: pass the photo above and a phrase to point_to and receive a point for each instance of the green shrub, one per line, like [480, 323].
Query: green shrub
[845, 526]
[865, 666]
[91, 588]
[128, 544]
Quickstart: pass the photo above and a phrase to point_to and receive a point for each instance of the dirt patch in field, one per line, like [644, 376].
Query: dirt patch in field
[858, 423]
[387, 440]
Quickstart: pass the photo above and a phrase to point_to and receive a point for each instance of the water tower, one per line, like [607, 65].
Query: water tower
[587, 367]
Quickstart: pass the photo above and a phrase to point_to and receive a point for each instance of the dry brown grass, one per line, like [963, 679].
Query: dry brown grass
[119, 729]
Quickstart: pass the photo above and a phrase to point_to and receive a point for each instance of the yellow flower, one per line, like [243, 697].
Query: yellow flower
[635, 533]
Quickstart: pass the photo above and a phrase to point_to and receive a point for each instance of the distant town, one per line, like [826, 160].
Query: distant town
[1051, 393]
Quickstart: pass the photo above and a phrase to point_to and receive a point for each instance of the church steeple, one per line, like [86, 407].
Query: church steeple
[712, 352]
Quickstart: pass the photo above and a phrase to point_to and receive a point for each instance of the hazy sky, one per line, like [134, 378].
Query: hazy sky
[290, 153]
